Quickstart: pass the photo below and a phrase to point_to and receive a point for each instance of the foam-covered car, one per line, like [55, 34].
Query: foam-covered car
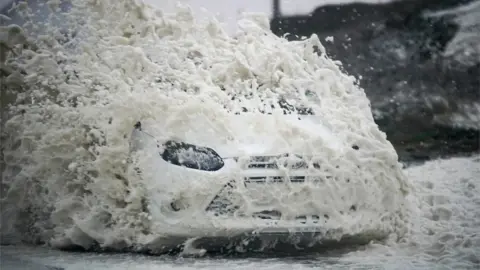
[258, 188]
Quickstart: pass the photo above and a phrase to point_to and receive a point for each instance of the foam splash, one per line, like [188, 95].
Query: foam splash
[445, 231]
[79, 94]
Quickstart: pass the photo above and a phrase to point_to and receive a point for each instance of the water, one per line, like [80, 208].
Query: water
[67, 178]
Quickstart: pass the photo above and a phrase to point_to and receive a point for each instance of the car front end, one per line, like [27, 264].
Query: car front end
[254, 199]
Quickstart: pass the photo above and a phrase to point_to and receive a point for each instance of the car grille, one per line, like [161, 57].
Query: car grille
[224, 201]
[293, 162]
[274, 179]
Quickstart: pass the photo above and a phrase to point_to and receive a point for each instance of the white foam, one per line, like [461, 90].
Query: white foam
[446, 228]
[67, 145]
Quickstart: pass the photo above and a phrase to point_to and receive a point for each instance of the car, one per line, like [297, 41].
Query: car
[253, 178]
[246, 194]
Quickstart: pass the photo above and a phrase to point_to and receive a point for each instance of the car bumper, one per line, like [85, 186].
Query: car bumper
[269, 239]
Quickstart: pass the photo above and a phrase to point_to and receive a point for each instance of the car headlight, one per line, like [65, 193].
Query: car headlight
[192, 156]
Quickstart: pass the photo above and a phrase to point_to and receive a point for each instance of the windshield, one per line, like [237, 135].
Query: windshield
[289, 109]
[286, 106]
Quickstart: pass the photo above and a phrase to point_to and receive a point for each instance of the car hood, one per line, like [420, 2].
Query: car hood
[255, 134]
[275, 136]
